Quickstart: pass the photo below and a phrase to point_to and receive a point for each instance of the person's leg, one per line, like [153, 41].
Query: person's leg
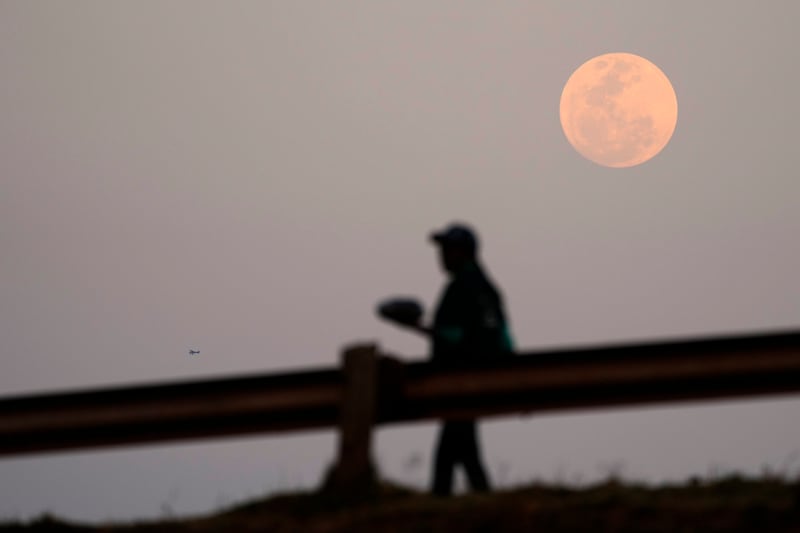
[445, 460]
[470, 456]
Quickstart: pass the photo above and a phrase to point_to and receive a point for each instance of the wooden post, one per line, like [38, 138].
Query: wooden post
[354, 471]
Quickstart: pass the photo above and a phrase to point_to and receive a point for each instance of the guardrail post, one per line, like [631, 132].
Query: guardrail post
[354, 470]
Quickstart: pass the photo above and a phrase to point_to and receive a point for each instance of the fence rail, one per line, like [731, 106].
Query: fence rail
[372, 389]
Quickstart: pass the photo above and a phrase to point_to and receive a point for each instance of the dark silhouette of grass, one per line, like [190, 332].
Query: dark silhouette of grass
[731, 503]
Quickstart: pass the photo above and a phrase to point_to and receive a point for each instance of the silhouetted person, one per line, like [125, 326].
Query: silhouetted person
[469, 325]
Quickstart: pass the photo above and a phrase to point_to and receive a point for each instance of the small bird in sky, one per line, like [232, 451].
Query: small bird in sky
[194, 352]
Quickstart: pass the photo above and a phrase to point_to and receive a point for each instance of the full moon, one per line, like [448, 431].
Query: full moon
[618, 110]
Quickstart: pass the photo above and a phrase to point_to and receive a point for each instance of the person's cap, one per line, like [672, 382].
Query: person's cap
[457, 235]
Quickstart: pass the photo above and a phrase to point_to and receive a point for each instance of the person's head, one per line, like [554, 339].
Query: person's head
[457, 245]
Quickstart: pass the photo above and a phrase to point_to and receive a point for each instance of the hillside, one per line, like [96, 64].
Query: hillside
[729, 504]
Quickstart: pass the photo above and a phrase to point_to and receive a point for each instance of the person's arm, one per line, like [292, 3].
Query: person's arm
[425, 331]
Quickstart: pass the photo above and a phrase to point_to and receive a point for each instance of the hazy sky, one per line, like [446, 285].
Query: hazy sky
[249, 178]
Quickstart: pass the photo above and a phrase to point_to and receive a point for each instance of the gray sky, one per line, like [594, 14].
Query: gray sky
[249, 178]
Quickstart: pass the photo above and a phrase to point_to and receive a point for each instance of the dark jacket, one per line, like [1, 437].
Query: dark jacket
[470, 322]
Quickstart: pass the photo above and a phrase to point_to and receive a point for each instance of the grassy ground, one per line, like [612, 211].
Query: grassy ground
[729, 504]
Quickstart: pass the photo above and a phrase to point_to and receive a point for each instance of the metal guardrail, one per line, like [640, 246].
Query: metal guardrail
[170, 411]
[633, 374]
[372, 389]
